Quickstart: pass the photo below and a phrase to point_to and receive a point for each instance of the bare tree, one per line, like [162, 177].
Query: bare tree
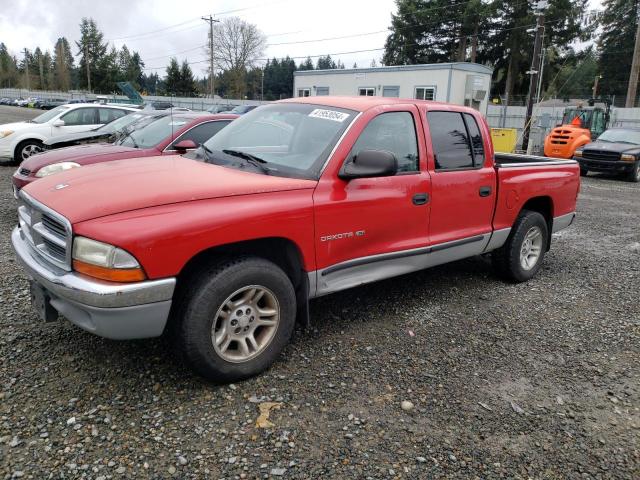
[237, 45]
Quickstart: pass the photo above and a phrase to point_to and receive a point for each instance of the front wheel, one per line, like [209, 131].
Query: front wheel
[634, 174]
[520, 258]
[26, 149]
[236, 318]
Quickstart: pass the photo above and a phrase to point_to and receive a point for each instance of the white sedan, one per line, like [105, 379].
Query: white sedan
[20, 140]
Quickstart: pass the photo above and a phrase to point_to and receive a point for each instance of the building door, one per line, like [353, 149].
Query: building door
[391, 92]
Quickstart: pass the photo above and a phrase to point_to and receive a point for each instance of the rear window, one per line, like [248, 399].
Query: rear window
[451, 146]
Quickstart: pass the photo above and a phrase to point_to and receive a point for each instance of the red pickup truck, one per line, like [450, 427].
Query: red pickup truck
[223, 247]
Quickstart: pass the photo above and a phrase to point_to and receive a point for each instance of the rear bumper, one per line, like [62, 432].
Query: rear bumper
[117, 311]
[606, 166]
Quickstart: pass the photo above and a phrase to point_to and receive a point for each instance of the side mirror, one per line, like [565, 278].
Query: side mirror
[368, 164]
[58, 123]
[184, 145]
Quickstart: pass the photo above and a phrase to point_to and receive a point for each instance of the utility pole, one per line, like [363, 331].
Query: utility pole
[211, 21]
[86, 63]
[26, 67]
[595, 86]
[635, 67]
[534, 72]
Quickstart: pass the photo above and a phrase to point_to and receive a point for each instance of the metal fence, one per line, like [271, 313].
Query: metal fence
[193, 103]
[545, 118]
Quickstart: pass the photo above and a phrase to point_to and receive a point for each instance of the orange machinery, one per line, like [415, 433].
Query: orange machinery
[580, 125]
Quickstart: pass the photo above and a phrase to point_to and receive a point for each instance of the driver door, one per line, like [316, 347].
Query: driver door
[364, 220]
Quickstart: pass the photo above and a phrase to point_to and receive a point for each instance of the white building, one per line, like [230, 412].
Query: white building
[459, 83]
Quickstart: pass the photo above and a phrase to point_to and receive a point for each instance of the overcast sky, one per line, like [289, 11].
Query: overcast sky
[160, 29]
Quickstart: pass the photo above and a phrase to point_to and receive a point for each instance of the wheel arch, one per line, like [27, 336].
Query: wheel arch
[544, 206]
[283, 252]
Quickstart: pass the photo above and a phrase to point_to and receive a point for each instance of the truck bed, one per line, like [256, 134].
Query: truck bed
[507, 160]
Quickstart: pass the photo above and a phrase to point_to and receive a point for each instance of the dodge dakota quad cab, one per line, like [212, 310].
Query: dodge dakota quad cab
[223, 247]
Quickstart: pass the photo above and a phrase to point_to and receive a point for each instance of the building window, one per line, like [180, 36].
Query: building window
[322, 91]
[425, 93]
[304, 92]
[366, 91]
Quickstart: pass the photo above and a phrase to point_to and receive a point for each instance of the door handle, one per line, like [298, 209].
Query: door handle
[420, 198]
[485, 191]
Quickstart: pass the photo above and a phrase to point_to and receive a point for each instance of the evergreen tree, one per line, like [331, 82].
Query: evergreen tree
[172, 80]
[186, 84]
[93, 51]
[616, 44]
[326, 63]
[306, 65]
[62, 65]
[8, 68]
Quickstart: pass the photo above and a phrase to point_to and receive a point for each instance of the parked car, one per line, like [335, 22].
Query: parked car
[5, 101]
[107, 133]
[220, 108]
[48, 104]
[242, 109]
[297, 199]
[20, 140]
[616, 150]
[21, 102]
[167, 135]
[159, 105]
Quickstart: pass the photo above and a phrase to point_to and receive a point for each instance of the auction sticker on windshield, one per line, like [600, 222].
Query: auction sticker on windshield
[329, 115]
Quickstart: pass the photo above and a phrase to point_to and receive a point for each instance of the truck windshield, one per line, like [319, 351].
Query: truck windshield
[287, 139]
[621, 135]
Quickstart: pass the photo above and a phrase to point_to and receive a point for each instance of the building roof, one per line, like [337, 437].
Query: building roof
[464, 66]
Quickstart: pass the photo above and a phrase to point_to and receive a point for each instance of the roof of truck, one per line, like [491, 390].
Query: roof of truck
[362, 103]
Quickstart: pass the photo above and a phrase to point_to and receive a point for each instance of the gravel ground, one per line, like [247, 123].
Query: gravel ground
[17, 114]
[444, 373]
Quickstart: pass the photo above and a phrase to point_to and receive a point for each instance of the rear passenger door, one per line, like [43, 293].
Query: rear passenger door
[463, 179]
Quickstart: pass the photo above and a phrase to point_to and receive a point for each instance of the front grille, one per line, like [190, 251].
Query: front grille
[601, 155]
[25, 171]
[53, 225]
[48, 232]
[560, 136]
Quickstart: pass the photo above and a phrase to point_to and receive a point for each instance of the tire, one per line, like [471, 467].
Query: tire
[583, 172]
[529, 232]
[203, 317]
[25, 149]
[634, 174]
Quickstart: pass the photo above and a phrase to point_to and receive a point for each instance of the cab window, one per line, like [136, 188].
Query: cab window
[394, 132]
[81, 116]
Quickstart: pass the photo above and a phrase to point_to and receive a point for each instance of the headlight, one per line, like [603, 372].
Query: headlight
[5, 133]
[625, 157]
[56, 168]
[577, 153]
[104, 261]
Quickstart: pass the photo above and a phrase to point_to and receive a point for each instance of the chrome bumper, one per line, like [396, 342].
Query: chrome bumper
[119, 311]
[563, 221]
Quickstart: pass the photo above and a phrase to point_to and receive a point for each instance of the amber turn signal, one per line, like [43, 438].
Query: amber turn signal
[123, 275]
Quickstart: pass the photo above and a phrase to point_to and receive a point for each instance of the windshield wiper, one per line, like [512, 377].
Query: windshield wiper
[257, 162]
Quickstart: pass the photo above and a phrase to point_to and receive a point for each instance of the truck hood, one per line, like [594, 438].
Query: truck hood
[113, 187]
[82, 154]
[613, 147]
